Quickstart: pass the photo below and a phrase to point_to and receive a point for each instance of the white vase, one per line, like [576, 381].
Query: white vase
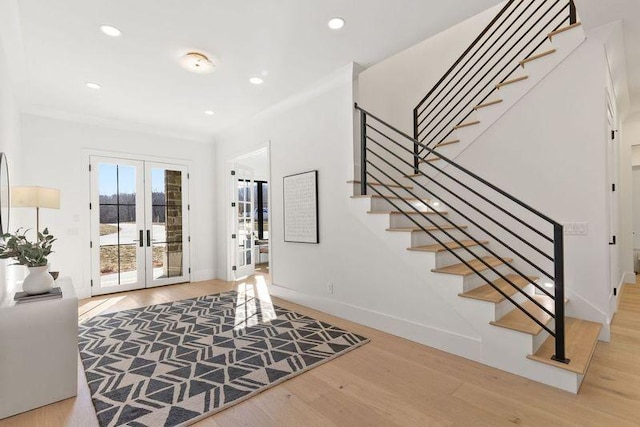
[38, 281]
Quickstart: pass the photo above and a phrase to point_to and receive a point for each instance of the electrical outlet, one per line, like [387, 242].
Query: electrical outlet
[576, 228]
[330, 288]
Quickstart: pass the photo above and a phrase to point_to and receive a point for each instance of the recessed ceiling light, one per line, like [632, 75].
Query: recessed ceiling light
[256, 80]
[197, 63]
[92, 85]
[336, 23]
[110, 30]
[209, 113]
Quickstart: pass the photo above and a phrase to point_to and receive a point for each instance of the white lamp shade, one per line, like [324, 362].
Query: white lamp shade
[35, 197]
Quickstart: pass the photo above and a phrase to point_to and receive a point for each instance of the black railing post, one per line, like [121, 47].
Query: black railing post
[573, 14]
[558, 256]
[416, 149]
[363, 152]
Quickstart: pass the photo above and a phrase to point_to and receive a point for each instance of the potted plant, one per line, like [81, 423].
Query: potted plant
[32, 255]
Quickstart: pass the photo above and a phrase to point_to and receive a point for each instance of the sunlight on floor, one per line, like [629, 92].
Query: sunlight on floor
[249, 295]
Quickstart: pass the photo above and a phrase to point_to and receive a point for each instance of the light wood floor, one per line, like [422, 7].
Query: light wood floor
[395, 382]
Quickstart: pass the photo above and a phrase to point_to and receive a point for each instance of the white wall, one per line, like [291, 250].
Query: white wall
[9, 133]
[315, 131]
[58, 157]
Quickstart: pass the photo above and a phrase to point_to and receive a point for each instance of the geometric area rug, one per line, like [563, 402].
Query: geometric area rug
[176, 363]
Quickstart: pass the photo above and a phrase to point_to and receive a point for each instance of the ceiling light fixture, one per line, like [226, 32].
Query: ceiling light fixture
[197, 63]
[92, 85]
[256, 80]
[336, 23]
[110, 30]
[209, 113]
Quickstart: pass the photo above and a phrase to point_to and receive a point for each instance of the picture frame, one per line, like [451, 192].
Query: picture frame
[300, 200]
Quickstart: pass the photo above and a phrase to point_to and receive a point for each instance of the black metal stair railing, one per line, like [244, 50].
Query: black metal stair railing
[517, 32]
[385, 160]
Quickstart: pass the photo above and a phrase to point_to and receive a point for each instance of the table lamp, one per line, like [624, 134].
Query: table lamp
[35, 197]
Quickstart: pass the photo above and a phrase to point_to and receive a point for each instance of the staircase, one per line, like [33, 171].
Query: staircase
[498, 262]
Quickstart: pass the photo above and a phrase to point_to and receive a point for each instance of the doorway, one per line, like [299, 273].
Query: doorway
[612, 199]
[139, 224]
[249, 247]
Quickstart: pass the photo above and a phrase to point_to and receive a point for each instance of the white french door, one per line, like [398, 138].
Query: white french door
[243, 237]
[139, 224]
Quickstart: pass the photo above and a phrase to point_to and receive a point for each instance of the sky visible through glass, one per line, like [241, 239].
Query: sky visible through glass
[108, 179]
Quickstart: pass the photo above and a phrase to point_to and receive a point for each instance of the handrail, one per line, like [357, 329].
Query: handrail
[368, 156]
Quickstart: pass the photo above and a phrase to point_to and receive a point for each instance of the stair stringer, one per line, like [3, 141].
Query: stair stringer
[497, 347]
[565, 44]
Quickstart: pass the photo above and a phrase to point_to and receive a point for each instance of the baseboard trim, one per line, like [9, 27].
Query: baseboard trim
[449, 341]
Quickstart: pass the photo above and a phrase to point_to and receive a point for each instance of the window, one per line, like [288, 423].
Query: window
[261, 208]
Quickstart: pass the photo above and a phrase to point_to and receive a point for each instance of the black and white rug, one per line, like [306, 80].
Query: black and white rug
[176, 363]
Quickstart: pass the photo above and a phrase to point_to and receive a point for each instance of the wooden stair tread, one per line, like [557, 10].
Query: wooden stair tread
[408, 187]
[453, 141]
[488, 104]
[462, 270]
[537, 56]
[442, 248]
[429, 228]
[511, 81]
[377, 196]
[430, 159]
[581, 338]
[464, 125]
[518, 321]
[489, 294]
[406, 213]
[563, 29]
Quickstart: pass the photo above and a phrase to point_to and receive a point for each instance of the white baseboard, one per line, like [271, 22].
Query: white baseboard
[451, 342]
[202, 275]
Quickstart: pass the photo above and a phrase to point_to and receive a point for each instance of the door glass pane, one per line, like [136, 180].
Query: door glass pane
[167, 203]
[118, 229]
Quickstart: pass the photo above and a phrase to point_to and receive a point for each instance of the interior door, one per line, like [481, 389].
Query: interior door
[244, 224]
[139, 219]
[117, 218]
[166, 218]
[612, 177]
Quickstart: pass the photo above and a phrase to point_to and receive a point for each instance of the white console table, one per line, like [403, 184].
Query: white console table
[38, 349]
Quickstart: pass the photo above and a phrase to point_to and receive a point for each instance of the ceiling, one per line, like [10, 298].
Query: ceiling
[55, 47]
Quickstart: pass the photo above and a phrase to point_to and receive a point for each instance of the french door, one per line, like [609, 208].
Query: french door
[244, 236]
[139, 224]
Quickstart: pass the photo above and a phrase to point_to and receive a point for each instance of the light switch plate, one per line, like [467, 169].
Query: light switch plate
[576, 228]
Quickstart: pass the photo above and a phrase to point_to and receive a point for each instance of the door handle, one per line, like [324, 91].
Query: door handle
[141, 239]
[148, 237]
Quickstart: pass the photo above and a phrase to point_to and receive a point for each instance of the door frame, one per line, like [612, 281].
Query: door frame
[85, 233]
[229, 214]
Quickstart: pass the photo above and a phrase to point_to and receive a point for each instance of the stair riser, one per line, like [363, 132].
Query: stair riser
[539, 339]
[401, 221]
[446, 258]
[474, 280]
[423, 239]
[386, 191]
[380, 204]
[505, 306]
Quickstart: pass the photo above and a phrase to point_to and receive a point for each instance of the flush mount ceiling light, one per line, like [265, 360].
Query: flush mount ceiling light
[197, 63]
[92, 85]
[256, 80]
[336, 23]
[209, 113]
[110, 30]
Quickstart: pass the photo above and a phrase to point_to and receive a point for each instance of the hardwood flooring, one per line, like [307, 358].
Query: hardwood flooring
[395, 382]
